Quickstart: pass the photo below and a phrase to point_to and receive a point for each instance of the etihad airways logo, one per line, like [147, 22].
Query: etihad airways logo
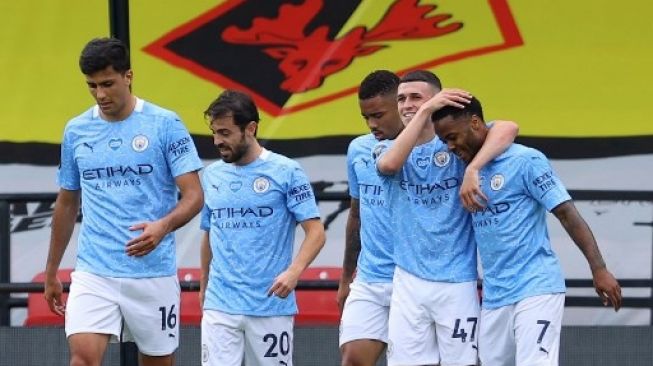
[429, 188]
[242, 212]
[493, 209]
[117, 171]
[240, 217]
[489, 216]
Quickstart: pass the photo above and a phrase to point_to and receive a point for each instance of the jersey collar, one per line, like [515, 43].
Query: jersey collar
[137, 108]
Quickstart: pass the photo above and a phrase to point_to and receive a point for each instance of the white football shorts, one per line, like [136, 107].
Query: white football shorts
[432, 322]
[227, 339]
[148, 306]
[366, 311]
[524, 333]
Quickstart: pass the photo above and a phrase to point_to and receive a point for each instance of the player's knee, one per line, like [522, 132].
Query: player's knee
[80, 359]
[352, 358]
[352, 361]
[146, 360]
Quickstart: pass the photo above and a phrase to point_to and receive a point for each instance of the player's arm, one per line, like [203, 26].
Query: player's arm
[188, 206]
[352, 250]
[65, 213]
[395, 158]
[314, 239]
[499, 138]
[604, 282]
[206, 255]
[392, 161]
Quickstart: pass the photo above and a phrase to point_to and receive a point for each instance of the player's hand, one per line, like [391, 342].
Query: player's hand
[453, 97]
[607, 287]
[152, 234]
[471, 195]
[284, 284]
[343, 293]
[52, 294]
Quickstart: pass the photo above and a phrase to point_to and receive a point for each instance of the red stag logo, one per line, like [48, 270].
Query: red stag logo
[307, 59]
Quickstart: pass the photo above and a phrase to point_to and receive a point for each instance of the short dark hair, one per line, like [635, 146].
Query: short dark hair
[235, 103]
[422, 75]
[472, 108]
[379, 82]
[100, 53]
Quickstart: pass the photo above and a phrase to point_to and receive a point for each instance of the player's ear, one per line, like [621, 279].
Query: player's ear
[129, 75]
[476, 122]
[251, 128]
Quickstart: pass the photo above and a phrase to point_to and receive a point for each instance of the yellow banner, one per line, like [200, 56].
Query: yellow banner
[558, 68]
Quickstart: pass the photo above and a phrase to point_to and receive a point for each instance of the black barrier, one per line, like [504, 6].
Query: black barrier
[5, 243]
[318, 285]
[7, 287]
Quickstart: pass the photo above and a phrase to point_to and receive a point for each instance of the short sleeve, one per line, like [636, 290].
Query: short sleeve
[180, 151]
[379, 150]
[300, 198]
[205, 218]
[352, 179]
[68, 173]
[542, 183]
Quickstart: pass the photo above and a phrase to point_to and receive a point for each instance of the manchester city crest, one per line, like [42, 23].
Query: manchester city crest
[441, 159]
[140, 143]
[496, 183]
[261, 185]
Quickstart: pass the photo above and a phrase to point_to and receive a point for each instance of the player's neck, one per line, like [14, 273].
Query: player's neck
[122, 114]
[255, 150]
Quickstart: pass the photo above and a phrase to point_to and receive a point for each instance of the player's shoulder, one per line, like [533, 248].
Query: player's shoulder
[83, 118]
[150, 109]
[214, 168]
[363, 142]
[521, 152]
[437, 144]
[278, 161]
[361, 146]
[380, 147]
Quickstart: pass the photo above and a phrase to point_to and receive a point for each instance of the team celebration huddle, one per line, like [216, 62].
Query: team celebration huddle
[437, 195]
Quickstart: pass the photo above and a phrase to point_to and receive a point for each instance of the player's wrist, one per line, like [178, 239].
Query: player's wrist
[598, 268]
[50, 274]
[167, 225]
[472, 168]
[295, 270]
[346, 280]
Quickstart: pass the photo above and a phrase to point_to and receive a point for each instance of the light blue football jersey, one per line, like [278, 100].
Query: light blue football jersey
[375, 263]
[251, 213]
[126, 172]
[511, 232]
[433, 234]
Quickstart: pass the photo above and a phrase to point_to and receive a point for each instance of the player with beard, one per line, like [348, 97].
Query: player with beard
[524, 288]
[254, 199]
